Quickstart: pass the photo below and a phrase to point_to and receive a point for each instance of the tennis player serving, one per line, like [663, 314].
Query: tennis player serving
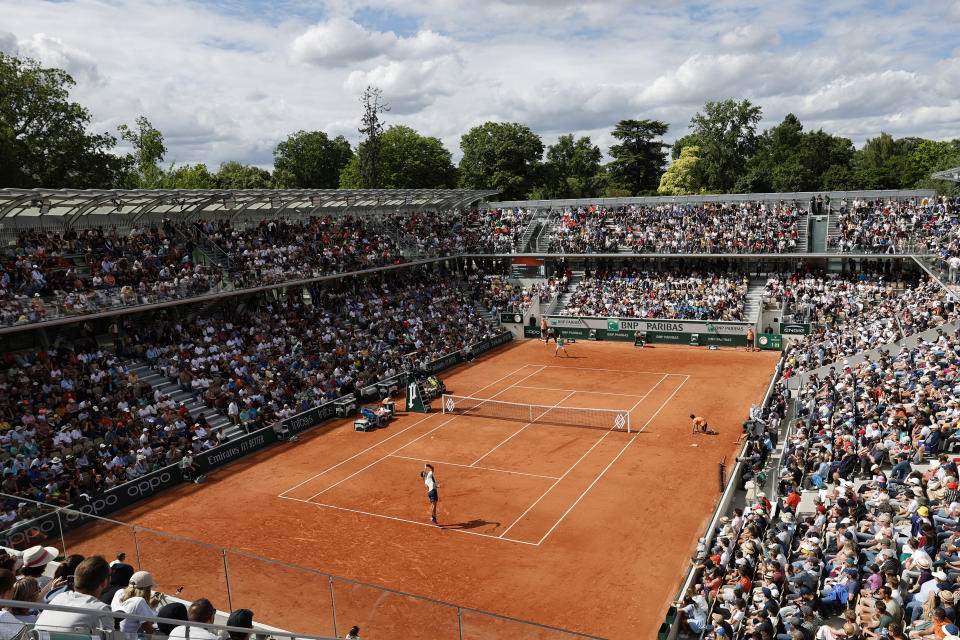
[432, 486]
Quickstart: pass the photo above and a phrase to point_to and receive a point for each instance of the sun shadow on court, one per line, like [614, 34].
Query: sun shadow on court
[470, 524]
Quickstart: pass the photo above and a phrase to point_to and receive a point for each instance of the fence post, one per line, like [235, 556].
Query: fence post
[333, 607]
[63, 538]
[136, 544]
[226, 574]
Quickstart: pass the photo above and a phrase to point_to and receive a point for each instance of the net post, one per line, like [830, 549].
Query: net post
[628, 422]
[443, 403]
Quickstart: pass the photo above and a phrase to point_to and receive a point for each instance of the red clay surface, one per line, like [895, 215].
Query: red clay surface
[584, 529]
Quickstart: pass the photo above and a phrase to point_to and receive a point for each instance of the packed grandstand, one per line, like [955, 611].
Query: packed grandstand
[122, 358]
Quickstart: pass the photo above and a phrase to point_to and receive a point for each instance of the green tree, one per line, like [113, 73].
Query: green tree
[406, 160]
[500, 155]
[685, 175]
[640, 157]
[235, 175]
[143, 169]
[929, 157]
[310, 160]
[372, 129]
[572, 169]
[882, 163]
[726, 133]
[187, 176]
[789, 159]
[43, 135]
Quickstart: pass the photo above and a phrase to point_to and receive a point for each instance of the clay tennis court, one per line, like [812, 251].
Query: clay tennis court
[587, 528]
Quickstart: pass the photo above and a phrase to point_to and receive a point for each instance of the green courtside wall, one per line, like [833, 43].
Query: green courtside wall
[701, 332]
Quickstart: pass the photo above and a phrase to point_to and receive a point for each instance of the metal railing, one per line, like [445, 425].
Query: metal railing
[295, 598]
[723, 504]
[112, 301]
[103, 634]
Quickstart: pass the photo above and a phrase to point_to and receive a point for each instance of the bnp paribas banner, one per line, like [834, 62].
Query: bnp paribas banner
[663, 331]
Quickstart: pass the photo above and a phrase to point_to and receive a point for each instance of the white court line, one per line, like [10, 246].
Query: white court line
[510, 437]
[470, 466]
[599, 393]
[669, 398]
[601, 473]
[648, 393]
[404, 446]
[422, 524]
[657, 373]
[380, 459]
[374, 446]
[595, 480]
[556, 483]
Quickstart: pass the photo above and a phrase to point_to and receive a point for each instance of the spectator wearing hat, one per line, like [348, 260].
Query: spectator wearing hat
[135, 599]
[120, 574]
[35, 561]
[201, 611]
[90, 579]
[173, 611]
[240, 618]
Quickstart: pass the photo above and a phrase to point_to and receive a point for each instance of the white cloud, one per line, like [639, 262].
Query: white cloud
[340, 41]
[55, 52]
[229, 84]
[750, 37]
[953, 13]
[409, 86]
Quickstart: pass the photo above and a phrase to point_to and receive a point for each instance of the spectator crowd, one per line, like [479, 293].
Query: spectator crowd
[874, 553]
[684, 296]
[75, 420]
[96, 590]
[671, 228]
[897, 226]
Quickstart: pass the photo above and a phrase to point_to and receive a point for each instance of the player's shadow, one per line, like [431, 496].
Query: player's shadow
[470, 524]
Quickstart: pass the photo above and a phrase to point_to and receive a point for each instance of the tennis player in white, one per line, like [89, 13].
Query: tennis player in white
[432, 486]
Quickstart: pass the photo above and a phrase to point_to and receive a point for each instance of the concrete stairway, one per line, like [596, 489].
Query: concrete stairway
[753, 305]
[575, 278]
[803, 239]
[157, 380]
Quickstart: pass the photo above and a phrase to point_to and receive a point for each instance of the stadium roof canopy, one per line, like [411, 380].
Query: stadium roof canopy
[950, 174]
[34, 207]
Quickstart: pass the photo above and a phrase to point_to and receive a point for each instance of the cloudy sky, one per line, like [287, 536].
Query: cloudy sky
[228, 79]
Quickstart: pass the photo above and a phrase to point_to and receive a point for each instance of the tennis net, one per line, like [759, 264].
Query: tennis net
[565, 416]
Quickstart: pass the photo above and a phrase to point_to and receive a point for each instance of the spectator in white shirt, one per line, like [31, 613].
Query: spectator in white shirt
[90, 579]
[200, 611]
[135, 599]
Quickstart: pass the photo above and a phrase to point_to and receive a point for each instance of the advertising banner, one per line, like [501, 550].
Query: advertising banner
[645, 325]
[27, 534]
[235, 449]
[511, 318]
[795, 328]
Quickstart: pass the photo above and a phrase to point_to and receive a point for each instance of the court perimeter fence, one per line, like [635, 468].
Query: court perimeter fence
[670, 627]
[241, 577]
[280, 593]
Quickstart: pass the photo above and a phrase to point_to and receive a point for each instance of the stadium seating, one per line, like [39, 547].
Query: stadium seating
[666, 228]
[634, 294]
[77, 420]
